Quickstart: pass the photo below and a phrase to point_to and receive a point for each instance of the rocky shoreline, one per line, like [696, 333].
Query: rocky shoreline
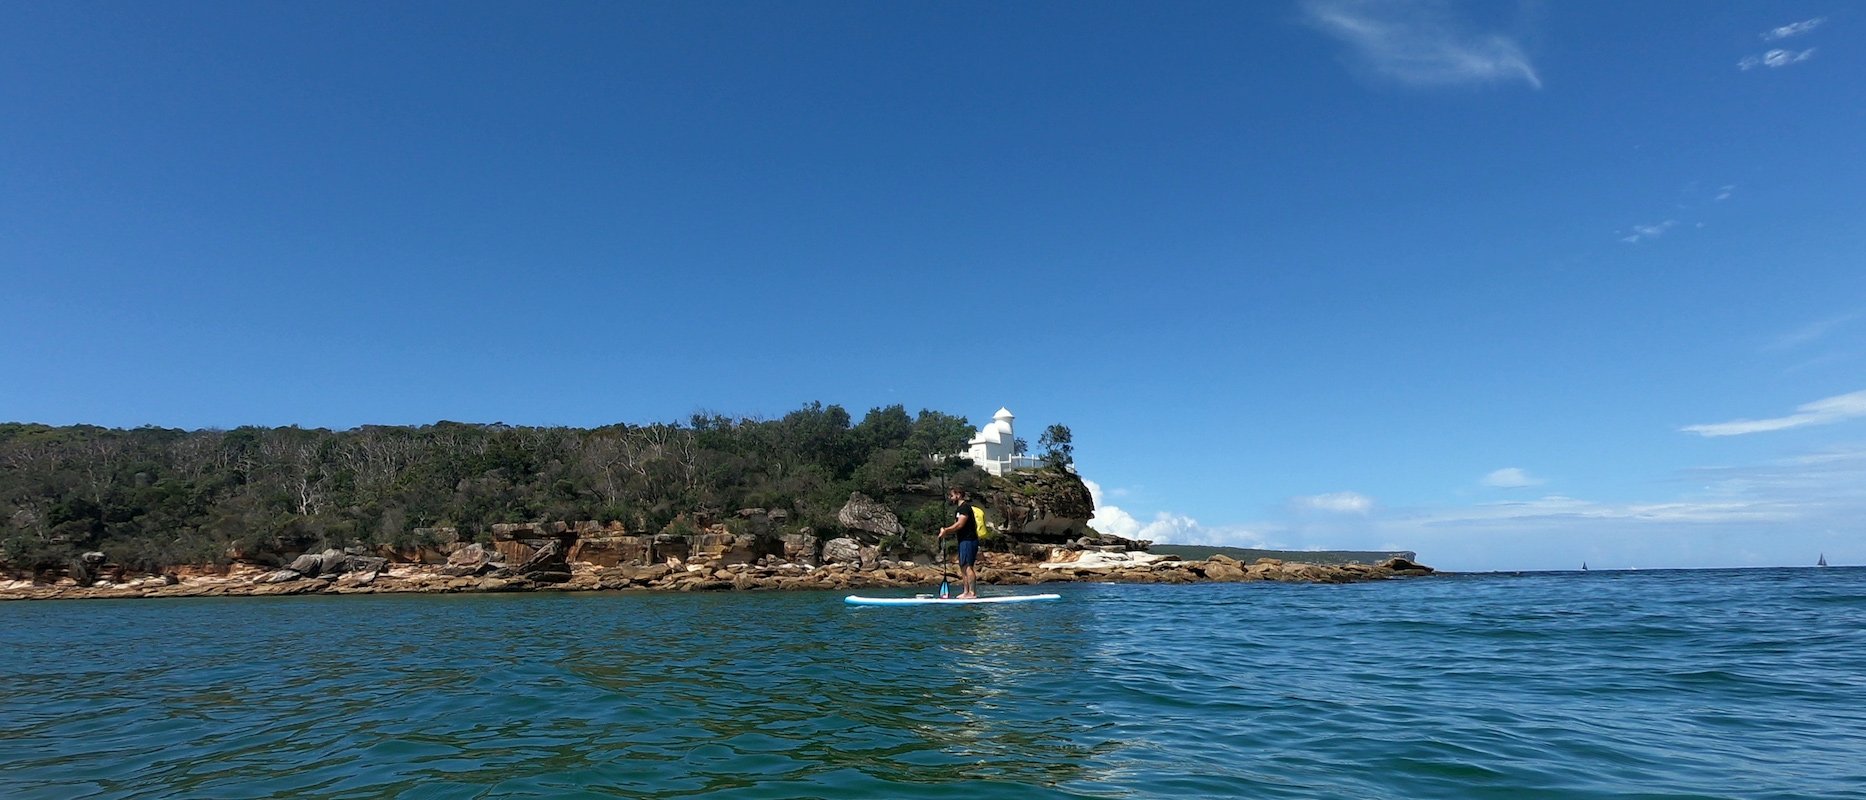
[376, 576]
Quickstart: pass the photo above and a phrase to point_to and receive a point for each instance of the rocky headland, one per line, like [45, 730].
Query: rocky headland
[591, 557]
[1039, 535]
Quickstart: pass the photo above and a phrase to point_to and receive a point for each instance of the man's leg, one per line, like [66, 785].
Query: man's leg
[968, 572]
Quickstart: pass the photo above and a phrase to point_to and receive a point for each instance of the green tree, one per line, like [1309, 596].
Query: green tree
[1058, 450]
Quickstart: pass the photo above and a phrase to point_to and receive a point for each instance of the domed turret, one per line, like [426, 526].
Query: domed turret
[994, 446]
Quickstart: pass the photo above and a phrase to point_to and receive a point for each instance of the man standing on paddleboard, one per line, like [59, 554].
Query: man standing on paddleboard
[965, 530]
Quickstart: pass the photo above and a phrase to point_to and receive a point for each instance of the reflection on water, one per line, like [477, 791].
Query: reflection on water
[1577, 686]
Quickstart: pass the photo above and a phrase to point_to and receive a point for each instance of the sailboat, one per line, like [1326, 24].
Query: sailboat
[1584, 566]
[1822, 562]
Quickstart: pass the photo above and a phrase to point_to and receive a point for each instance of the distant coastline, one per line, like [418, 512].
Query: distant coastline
[1199, 552]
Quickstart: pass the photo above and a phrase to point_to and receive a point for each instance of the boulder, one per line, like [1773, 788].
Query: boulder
[612, 550]
[547, 564]
[800, 548]
[364, 565]
[842, 551]
[471, 555]
[1046, 505]
[1227, 570]
[307, 565]
[1404, 566]
[868, 517]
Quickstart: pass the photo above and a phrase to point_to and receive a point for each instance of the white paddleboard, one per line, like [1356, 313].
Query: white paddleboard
[930, 600]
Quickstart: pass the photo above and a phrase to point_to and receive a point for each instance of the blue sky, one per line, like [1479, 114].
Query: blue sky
[1514, 285]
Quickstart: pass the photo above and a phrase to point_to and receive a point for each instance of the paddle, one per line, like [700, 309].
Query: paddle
[945, 583]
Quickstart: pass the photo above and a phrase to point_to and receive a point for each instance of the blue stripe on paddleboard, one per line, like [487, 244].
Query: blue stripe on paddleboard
[857, 600]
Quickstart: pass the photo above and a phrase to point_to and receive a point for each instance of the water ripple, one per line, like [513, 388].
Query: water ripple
[1715, 684]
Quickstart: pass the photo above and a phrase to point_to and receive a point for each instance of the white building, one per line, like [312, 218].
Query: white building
[995, 446]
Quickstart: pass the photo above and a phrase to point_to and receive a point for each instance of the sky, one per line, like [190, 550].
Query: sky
[1513, 285]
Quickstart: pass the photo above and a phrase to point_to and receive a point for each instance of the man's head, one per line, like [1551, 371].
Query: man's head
[955, 495]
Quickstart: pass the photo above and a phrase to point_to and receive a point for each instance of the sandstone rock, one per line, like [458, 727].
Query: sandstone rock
[669, 546]
[548, 564]
[1405, 567]
[469, 556]
[610, 550]
[292, 588]
[800, 548]
[1043, 505]
[722, 547]
[1096, 559]
[842, 551]
[473, 559]
[307, 565]
[647, 574]
[1227, 570]
[867, 516]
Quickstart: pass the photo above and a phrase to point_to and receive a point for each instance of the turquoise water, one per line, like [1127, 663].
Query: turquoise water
[1747, 683]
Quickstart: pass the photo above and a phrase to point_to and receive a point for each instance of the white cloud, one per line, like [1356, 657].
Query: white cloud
[1418, 43]
[1166, 527]
[1784, 511]
[1775, 59]
[1792, 29]
[1337, 502]
[1820, 412]
[1511, 478]
[1726, 192]
[1653, 231]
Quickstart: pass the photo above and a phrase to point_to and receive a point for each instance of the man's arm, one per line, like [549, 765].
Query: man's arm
[953, 528]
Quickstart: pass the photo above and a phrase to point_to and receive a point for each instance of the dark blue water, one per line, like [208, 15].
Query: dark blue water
[1747, 683]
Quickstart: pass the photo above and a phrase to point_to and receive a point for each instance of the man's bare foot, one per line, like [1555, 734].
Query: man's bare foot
[968, 596]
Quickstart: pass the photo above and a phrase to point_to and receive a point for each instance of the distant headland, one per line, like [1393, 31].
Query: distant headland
[809, 500]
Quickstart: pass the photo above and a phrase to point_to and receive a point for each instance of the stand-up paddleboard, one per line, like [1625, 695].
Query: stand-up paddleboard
[930, 600]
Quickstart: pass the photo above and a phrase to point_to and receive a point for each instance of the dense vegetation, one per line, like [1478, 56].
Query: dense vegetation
[152, 496]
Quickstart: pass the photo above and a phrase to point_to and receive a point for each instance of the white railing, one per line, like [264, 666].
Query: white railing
[1000, 466]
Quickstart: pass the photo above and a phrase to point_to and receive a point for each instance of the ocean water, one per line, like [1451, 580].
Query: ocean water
[1727, 684]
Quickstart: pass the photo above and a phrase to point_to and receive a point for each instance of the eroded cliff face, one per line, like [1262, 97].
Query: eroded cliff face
[1045, 505]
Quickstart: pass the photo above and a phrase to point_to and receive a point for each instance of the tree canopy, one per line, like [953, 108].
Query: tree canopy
[157, 496]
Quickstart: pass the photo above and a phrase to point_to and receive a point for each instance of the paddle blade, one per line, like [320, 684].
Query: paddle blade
[945, 589]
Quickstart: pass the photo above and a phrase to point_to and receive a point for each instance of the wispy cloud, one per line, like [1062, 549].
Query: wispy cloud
[1336, 502]
[1511, 478]
[1775, 59]
[1653, 231]
[1792, 29]
[1420, 43]
[1812, 332]
[1781, 57]
[1820, 412]
[1558, 509]
[1726, 192]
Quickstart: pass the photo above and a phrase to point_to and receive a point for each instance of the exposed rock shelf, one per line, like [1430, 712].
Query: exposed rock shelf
[995, 569]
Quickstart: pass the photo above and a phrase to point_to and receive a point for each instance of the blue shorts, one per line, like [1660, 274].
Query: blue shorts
[968, 552]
